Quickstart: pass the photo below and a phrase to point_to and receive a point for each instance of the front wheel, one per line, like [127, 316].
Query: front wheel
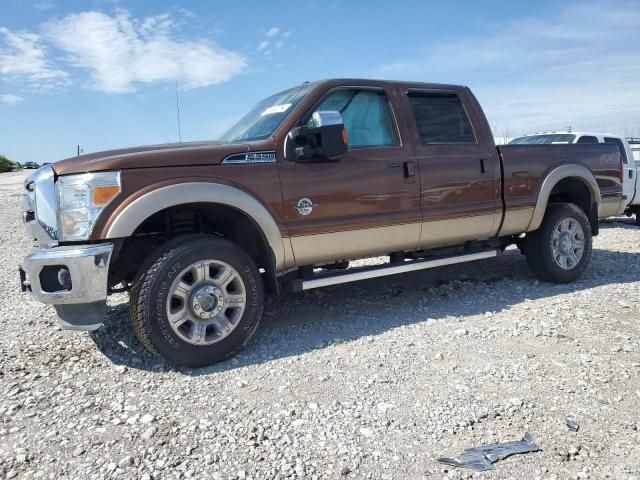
[198, 302]
[560, 250]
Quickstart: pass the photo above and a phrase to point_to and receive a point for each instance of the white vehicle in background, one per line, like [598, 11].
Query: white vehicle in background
[634, 143]
[631, 195]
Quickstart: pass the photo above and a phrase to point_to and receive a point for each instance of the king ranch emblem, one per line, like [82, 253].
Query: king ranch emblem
[305, 206]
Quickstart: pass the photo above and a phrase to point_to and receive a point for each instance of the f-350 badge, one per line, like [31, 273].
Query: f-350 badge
[305, 206]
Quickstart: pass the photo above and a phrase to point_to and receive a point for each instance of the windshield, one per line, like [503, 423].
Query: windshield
[543, 139]
[266, 116]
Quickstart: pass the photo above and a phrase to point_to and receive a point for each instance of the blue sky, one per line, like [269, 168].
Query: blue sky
[103, 73]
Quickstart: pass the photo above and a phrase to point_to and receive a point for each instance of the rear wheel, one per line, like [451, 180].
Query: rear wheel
[560, 250]
[637, 217]
[198, 302]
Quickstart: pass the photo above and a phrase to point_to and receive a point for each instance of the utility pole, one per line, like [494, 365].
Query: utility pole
[178, 114]
[79, 150]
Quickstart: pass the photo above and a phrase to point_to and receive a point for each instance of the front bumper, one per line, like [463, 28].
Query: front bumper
[71, 278]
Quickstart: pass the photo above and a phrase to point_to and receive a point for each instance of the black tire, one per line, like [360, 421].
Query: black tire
[134, 291]
[538, 246]
[150, 291]
[638, 218]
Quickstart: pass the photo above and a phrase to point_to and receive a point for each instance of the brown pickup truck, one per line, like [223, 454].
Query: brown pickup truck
[310, 178]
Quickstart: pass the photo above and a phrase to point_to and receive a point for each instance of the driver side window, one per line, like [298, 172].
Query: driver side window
[366, 114]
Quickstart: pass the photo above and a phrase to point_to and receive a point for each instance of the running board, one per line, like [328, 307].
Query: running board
[363, 273]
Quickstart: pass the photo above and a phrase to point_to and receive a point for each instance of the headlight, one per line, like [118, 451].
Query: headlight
[81, 198]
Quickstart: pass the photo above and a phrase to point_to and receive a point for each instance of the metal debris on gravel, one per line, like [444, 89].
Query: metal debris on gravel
[572, 425]
[482, 458]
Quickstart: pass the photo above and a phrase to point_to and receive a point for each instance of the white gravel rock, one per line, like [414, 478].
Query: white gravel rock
[148, 433]
[147, 419]
[372, 380]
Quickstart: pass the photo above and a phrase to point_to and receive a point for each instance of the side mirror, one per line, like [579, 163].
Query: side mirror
[325, 141]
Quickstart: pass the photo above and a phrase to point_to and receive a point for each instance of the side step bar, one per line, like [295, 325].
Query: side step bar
[323, 280]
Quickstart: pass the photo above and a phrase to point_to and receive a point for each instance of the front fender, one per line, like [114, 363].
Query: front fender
[132, 216]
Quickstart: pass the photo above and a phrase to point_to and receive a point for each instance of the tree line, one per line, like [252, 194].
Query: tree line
[7, 165]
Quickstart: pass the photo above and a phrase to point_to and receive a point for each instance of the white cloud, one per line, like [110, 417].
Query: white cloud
[11, 99]
[273, 31]
[277, 42]
[24, 56]
[43, 5]
[120, 52]
[578, 65]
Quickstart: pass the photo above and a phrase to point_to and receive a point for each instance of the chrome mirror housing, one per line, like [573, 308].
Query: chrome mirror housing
[328, 117]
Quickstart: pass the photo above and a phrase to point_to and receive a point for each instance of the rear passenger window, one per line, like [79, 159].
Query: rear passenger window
[441, 118]
[623, 150]
[587, 139]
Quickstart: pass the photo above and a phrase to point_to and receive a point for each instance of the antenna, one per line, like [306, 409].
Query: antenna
[178, 114]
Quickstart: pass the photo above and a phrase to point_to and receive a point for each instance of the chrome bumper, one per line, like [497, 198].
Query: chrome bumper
[71, 278]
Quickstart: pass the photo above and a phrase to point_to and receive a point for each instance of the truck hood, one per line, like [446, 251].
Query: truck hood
[165, 155]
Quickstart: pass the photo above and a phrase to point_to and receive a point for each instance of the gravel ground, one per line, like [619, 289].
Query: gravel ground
[370, 380]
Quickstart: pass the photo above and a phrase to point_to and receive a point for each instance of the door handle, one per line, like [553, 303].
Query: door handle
[409, 169]
[409, 172]
[483, 167]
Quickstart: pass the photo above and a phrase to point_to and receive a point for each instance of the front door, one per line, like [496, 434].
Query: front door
[365, 203]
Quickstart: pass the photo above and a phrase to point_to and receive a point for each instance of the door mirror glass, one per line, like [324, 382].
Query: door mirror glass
[324, 140]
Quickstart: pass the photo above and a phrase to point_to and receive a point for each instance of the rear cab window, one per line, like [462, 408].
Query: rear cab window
[588, 139]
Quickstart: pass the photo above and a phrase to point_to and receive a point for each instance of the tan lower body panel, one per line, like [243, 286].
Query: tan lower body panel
[289, 258]
[610, 206]
[326, 247]
[440, 233]
[516, 220]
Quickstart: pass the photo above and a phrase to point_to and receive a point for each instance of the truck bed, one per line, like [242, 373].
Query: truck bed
[525, 167]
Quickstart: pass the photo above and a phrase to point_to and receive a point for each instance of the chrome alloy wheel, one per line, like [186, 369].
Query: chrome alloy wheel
[206, 302]
[567, 243]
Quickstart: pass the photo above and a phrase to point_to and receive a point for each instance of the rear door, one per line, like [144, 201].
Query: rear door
[459, 172]
[367, 202]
